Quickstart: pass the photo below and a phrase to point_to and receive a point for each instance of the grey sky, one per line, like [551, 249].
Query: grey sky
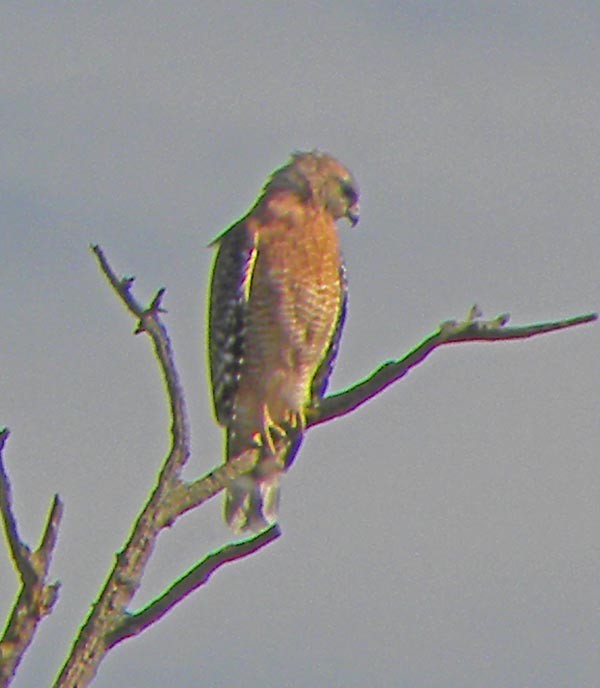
[445, 536]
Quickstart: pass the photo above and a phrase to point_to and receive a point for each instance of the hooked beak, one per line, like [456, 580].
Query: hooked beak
[353, 214]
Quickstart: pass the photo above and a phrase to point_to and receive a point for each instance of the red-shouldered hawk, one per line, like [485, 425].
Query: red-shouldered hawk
[277, 307]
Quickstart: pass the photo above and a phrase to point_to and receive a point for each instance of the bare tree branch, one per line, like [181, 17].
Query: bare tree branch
[110, 610]
[36, 598]
[450, 332]
[109, 622]
[186, 496]
[197, 576]
[150, 322]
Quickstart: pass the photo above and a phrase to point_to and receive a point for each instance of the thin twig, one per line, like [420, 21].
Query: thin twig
[19, 551]
[150, 322]
[50, 534]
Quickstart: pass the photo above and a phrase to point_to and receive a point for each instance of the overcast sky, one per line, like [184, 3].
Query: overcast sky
[444, 536]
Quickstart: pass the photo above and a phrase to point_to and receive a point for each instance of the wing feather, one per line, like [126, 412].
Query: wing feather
[229, 294]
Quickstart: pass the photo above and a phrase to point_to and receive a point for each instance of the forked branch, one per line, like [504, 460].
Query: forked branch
[37, 597]
[109, 621]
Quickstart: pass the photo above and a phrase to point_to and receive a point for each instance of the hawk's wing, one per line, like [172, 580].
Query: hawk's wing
[229, 292]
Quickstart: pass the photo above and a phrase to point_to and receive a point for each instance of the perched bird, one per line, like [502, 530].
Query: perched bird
[277, 306]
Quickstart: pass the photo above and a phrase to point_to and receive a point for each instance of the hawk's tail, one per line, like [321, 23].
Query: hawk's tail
[251, 502]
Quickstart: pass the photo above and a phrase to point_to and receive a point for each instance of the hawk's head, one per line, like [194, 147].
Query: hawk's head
[319, 177]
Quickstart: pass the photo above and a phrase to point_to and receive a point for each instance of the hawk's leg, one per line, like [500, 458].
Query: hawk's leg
[268, 428]
[271, 431]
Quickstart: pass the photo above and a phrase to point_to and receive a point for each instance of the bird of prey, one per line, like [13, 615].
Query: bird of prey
[277, 305]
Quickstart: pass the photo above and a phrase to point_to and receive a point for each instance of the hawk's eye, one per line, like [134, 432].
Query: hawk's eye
[349, 191]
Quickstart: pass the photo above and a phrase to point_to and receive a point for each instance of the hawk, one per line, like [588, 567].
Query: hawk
[277, 305]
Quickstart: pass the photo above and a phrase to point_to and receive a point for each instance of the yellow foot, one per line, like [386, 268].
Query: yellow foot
[272, 431]
[269, 429]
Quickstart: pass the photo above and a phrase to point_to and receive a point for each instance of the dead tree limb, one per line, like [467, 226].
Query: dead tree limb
[36, 597]
[187, 496]
[110, 612]
[110, 621]
[198, 575]
[473, 329]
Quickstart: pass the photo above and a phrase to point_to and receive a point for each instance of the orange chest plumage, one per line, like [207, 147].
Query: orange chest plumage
[294, 297]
